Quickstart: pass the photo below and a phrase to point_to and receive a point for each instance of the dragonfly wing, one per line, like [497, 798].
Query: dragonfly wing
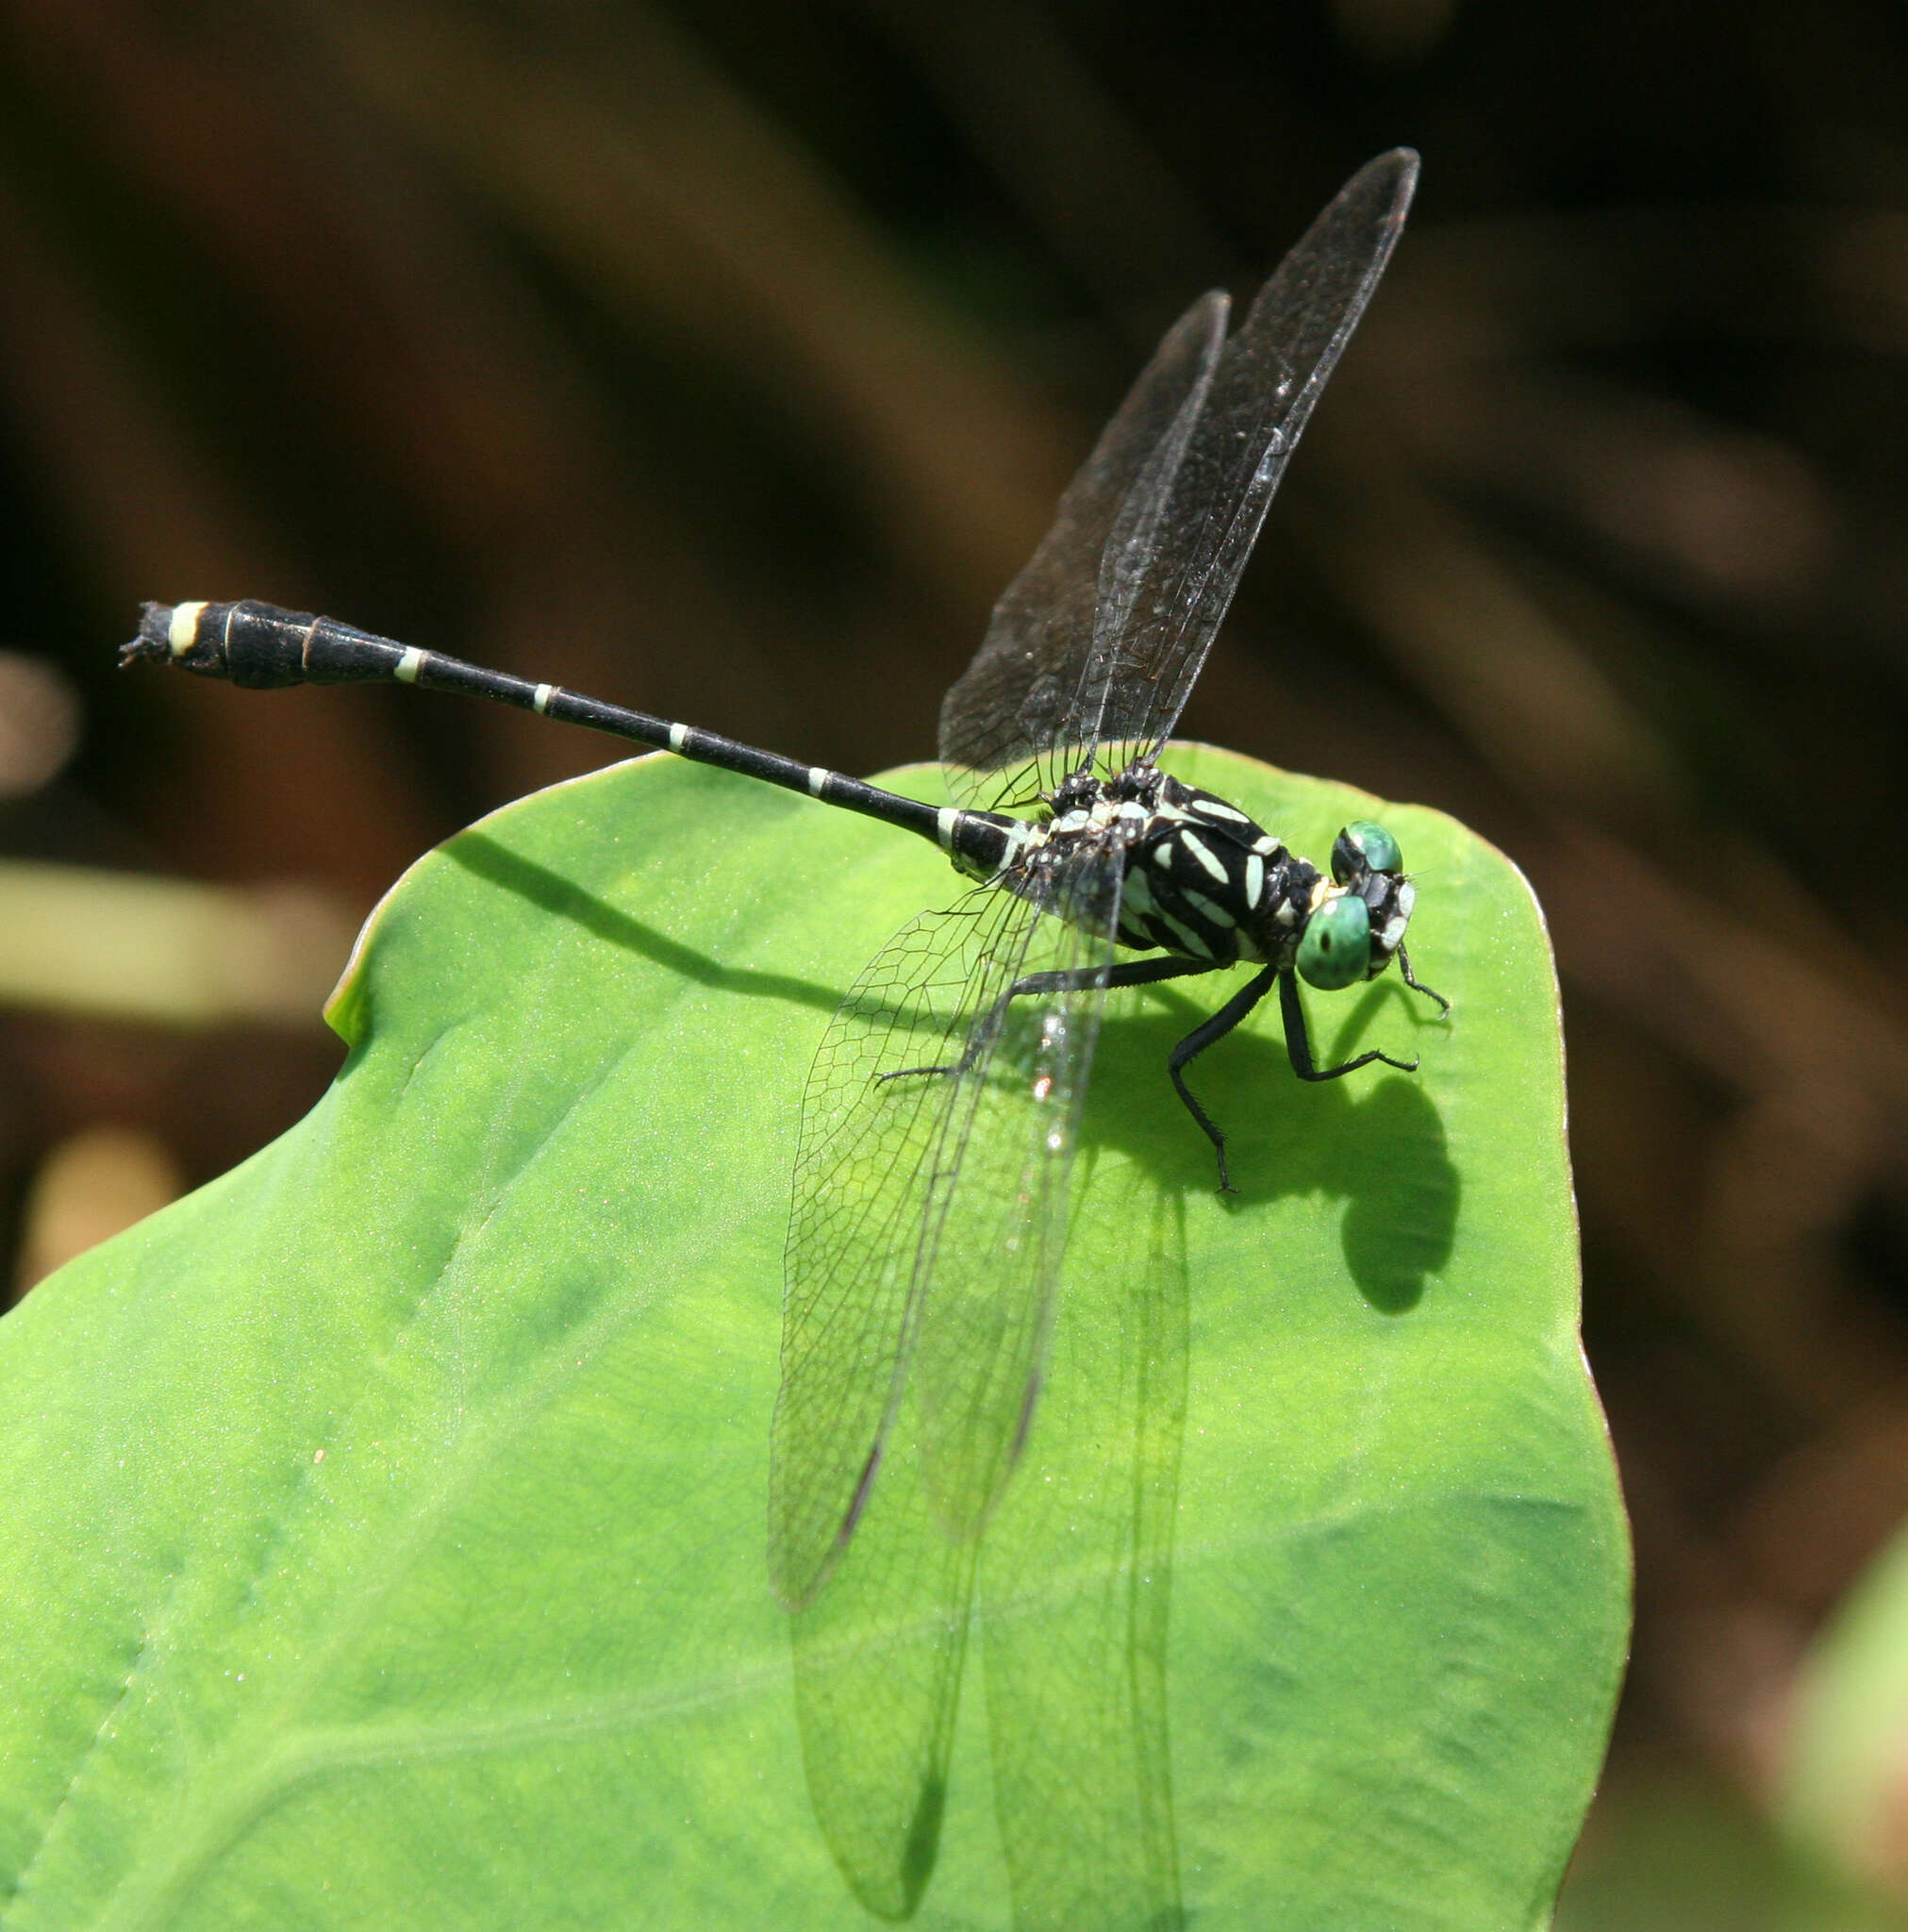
[1077, 1579]
[1172, 564]
[878, 1657]
[1001, 721]
[877, 1160]
[879, 1653]
[991, 1279]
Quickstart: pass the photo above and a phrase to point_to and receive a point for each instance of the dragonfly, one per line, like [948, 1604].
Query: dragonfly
[942, 1115]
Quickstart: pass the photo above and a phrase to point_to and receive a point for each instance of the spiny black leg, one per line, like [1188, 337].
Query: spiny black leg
[1404, 969]
[1149, 972]
[1071, 979]
[1299, 1047]
[1202, 1036]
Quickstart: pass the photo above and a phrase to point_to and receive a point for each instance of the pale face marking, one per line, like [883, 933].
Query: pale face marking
[1203, 852]
[183, 632]
[1394, 931]
[1256, 878]
[409, 665]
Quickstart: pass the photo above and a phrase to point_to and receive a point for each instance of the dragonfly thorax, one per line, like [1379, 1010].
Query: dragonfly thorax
[1204, 881]
[1196, 877]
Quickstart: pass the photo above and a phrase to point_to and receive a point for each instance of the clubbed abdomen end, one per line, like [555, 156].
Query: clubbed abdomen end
[260, 646]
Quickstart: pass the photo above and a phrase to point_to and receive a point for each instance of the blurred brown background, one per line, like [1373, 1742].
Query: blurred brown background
[726, 359]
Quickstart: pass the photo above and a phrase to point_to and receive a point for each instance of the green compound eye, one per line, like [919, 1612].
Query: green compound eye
[1337, 949]
[1365, 843]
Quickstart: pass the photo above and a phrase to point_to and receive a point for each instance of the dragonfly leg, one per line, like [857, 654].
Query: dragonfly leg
[1404, 970]
[1298, 1046]
[1074, 979]
[1196, 1043]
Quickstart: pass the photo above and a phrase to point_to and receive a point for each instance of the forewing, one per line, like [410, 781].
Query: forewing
[1001, 721]
[993, 1269]
[1172, 563]
[876, 1160]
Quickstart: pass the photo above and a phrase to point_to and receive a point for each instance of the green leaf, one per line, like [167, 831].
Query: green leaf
[385, 1543]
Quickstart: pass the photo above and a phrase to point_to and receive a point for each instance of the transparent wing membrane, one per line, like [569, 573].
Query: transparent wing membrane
[878, 1660]
[1161, 519]
[1017, 700]
[985, 1315]
[1269, 376]
[867, 1186]
[882, 1147]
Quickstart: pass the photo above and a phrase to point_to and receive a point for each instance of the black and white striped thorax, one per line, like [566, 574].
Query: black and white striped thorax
[1196, 877]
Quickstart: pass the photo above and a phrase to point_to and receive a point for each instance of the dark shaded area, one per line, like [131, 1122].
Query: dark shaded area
[512, 872]
[1379, 1151]
[727, 360]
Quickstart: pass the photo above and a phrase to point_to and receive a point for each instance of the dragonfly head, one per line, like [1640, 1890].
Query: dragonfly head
[1354, 931]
